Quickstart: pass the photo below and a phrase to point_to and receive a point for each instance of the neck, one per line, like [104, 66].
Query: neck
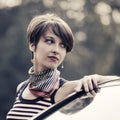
[36, 66]
[39, 69]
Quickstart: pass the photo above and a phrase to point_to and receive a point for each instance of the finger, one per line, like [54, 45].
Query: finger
[94, 82]
[89, 94]
[93, 92]
[90, 83]
[85, 85]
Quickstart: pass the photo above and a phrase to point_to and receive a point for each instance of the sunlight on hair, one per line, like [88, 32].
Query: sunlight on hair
[9, 3]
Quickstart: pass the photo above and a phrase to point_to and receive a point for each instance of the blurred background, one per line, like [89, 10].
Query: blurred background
[96, 28]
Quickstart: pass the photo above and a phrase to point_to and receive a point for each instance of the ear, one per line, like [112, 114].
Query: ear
[31, 47]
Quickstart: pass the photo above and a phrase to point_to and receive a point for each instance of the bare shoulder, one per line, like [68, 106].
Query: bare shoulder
[20, 85]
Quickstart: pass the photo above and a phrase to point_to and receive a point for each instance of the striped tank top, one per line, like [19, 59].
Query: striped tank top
[25, 109]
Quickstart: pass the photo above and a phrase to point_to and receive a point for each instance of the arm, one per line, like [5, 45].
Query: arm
[87, 83]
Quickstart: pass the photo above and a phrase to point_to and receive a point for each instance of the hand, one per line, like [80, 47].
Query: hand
[89, 84]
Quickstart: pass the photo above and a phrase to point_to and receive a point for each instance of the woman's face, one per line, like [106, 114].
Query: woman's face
[49, 53]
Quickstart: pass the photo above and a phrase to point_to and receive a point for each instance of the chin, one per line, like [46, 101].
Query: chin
[52, 67]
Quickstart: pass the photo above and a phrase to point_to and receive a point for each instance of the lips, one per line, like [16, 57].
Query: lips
[53, 58]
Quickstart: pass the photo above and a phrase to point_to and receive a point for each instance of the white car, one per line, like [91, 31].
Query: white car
[105, 106]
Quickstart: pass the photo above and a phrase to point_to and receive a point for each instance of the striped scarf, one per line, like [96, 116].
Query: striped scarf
[44, 83]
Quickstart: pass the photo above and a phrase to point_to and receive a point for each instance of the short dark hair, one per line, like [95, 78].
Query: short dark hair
[41, 23]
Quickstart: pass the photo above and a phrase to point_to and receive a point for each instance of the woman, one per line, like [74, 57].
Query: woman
[49, 39]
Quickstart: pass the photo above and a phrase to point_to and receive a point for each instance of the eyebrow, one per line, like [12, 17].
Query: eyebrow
[45, 36]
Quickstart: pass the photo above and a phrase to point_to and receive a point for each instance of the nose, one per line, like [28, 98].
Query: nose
[55, 49]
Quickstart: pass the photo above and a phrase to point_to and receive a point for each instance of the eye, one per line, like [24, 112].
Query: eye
[63, 45]
[49, 41]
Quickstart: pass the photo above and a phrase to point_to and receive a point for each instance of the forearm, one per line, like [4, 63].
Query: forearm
[86, 83]
[65, 90]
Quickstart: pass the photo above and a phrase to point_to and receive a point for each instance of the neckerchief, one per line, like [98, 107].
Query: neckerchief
[43, 83]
